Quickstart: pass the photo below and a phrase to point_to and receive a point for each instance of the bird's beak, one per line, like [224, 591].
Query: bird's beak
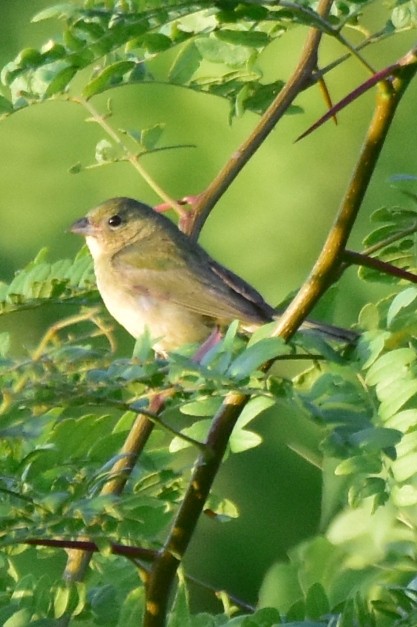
[83, 227]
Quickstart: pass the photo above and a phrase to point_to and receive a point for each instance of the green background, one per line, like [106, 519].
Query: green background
[268, 227]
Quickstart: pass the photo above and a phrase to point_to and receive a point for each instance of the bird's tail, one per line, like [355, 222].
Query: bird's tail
[330, 332]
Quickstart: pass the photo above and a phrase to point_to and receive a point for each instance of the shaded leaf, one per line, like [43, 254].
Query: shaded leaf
[185, 64]
[60, 81]
[256, 355]
[5, 106]
[110, 76]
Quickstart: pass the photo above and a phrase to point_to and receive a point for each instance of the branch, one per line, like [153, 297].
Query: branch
[129, 156]
[133, 553]
[377, 77]
[360, 259]
[296, 83]
[327, 266]
[87, 546]
[164, 567]
[135, 442]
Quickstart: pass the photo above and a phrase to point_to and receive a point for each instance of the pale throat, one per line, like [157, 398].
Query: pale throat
[93, 246]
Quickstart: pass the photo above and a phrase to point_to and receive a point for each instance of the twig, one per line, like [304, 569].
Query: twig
[327, 266]
[133, 552]
[89, 315]
[360, 259]
[129, 156]
[395, 237]
[377, 77]
[296, 83]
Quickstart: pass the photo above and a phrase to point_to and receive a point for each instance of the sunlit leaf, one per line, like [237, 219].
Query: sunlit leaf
[58, 10]
[242, 440]
[216, 51]
[252, 39]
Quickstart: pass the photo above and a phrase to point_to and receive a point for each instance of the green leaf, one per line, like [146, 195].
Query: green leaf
[223, 510]
[256, 355]
[41, 281]
[104, 604]
[216, 51]
[404, 466]
[4, 343]
[403, 420]
[258, 97]
[205, 406]
[111, 76]
[405, 495]
[185, 64]
[155, 42]
[390, 366]
[198, 431]
[370, 346]
[29, 58]
[357, 464]
[317, 603]
[405, 16]
[280, 587]
[179, 615]
[6, 106]
[61, 600]
[131, 612]
[62, 10]
[52, 51]
[395, 396]
[262, 332]
[21, 618]
[252, 39]
[149, 137]
[369, 486]
[369, 317]
[242, 440]
[253, 408]
[401, 301]
[376, 438]
[60, 81]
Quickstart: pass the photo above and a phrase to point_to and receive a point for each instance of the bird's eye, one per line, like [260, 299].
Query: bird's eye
[114, 221]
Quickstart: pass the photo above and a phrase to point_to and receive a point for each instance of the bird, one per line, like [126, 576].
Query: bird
[151, 276]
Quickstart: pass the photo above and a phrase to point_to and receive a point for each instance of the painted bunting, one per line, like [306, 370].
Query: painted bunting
[151, 275]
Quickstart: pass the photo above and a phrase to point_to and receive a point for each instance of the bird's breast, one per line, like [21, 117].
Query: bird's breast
[169, 324]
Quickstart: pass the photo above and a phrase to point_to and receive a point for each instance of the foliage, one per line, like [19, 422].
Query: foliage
[69, 405]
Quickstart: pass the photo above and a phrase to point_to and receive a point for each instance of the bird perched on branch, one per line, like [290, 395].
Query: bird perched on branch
[152, 276]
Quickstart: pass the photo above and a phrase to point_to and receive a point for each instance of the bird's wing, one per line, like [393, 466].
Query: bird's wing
[243, 289]
[196, 282]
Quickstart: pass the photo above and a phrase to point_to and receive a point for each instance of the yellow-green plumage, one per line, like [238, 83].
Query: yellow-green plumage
[151, 275]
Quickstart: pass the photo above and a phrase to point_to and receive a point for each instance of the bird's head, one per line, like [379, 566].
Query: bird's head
[116, 223]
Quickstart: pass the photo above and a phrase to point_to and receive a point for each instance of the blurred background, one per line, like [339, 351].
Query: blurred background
[268, 227]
